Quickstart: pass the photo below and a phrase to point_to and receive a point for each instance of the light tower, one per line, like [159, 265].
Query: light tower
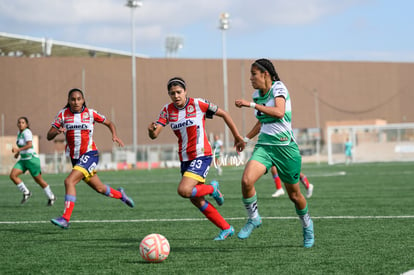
[133, 4]
[173, 43]
[224, 25]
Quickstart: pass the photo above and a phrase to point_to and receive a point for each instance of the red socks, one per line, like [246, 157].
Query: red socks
[70, 201]
[278, 182]
[67, 213]
[305, 181]
[112, 193]
[201, 190]
[214, 216]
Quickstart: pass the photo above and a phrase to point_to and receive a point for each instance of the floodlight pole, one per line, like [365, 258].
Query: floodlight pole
[133, 4]
[224, 25]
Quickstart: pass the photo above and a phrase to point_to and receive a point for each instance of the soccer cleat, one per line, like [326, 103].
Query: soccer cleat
[61, 222]
[125, 199]
[51, 202]
[278, 193]
[248, 228]
[224, 234]
[308, 236]
[216, 193]
[26, 197]
[309, 191]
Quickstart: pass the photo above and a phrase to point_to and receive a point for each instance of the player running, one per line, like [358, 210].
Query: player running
[28, 161]
[276, 146]
[77, 122]
[186, 117]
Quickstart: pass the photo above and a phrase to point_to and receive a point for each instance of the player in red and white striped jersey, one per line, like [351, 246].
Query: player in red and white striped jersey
[79, 128]
[187, 116]
[77, 122]
[188, 124]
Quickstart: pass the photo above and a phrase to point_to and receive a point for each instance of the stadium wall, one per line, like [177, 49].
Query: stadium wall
[37, 88]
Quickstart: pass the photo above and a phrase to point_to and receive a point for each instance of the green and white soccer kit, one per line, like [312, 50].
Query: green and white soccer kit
[28, 158]
[276, 145]
[217, 148]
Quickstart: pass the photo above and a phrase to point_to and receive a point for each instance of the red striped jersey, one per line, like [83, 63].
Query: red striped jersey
[188, 124]
[79, 130]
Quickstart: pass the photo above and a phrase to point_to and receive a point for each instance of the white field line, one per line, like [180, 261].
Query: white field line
[332, 174]
[202, 219]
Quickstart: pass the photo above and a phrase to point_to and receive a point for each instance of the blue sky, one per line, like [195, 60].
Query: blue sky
[347, 30]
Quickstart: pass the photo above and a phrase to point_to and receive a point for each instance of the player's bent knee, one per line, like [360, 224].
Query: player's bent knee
[184, 193]
[296, 196]
[100, 190]
[249, 183]
[69, 182]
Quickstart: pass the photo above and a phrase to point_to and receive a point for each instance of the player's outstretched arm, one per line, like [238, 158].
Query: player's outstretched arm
[111, 127]
[254, 131]
[238, 139]
[53, 132]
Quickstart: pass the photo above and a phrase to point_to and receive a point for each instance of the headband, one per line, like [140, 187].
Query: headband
[176, 80]
[257, 64]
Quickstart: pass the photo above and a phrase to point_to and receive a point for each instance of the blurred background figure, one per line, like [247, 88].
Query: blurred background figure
[217, 149]
[348, 151]
[278, 183]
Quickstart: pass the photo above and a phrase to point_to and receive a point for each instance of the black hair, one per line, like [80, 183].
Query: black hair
[70, 93]
[25, 119]
[176, 81]
[263, 65]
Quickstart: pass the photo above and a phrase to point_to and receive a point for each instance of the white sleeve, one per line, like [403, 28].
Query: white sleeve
[28, 136]
[279, 89]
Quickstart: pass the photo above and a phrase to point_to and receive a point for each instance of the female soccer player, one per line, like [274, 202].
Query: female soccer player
[77, 122]
[276, 146]
[28, 161]
[186, 117]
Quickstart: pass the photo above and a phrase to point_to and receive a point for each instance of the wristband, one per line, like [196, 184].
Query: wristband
[246, 139]
[252, 105]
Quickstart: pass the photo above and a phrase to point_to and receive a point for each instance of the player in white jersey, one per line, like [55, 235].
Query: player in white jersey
[276, 146]
[186, 116]
[28, 161]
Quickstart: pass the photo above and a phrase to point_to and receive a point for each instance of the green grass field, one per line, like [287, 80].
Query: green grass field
[364, 222]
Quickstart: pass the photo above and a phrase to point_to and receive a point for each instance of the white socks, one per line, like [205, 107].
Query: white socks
[251, 206]
[22, 187]
[305, 219]
[49, 192]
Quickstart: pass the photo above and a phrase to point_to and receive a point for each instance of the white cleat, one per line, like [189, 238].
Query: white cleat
[278, 193]
[309, 191]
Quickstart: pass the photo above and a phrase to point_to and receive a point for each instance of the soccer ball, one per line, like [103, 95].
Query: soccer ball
[154, 248]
